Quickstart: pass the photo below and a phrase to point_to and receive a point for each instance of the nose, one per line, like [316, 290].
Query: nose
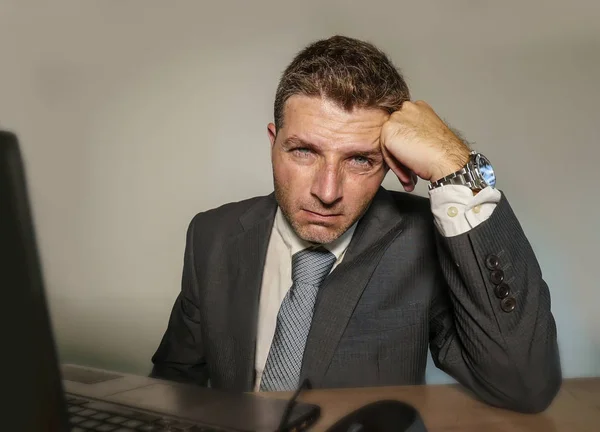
[327, 184]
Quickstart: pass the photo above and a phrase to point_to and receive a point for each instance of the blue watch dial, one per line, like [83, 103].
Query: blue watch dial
[485, 169]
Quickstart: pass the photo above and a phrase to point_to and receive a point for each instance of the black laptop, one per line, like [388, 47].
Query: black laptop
[38, 395]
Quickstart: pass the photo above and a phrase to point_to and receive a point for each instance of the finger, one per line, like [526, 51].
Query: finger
[415, 178]
[403, 173]
[400, 170]
[406, 176]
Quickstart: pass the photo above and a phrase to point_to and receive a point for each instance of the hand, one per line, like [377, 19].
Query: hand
[416, 142]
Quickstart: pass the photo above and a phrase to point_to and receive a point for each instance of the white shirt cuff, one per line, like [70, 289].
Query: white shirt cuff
[456, 210]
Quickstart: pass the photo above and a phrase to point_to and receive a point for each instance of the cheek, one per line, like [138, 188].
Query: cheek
[284, 167]
[360, 188]
[293, 178]
[281, 169]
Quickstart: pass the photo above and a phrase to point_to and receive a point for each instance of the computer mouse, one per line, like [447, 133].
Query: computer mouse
[381, 416]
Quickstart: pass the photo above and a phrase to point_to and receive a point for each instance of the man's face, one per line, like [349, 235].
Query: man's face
[327, 165]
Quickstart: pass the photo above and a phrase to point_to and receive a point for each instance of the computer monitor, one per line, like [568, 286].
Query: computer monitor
[31, 382]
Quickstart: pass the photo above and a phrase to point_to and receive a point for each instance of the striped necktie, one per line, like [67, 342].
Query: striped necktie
[309, 269]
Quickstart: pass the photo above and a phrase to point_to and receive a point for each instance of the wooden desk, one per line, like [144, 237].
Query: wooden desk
[448, 408]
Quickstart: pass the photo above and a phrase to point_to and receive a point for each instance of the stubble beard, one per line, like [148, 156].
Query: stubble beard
[304, 231]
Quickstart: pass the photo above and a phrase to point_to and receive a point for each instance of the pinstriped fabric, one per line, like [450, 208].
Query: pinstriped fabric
[309, 269]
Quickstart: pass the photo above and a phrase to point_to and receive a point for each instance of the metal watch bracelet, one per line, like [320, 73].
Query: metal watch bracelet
[463, 177]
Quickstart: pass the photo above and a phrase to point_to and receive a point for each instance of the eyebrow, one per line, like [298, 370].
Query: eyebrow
[296, 141]
[374, 154]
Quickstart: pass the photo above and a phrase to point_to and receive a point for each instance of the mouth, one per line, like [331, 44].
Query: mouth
[322, 216]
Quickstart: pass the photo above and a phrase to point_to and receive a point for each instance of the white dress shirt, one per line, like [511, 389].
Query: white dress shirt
[455, 212]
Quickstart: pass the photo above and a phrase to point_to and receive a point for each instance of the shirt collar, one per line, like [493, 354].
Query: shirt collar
[296, 244]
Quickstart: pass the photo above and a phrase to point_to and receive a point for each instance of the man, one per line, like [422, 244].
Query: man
[336, 280]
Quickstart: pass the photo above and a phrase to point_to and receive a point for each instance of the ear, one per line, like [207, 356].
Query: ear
[272, 133]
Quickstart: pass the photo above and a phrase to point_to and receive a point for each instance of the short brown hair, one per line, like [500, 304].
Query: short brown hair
[348, 71]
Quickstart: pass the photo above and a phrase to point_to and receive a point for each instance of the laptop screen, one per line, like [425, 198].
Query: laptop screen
[30, 374]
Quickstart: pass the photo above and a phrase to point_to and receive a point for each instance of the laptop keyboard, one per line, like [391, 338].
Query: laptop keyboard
[87, 415]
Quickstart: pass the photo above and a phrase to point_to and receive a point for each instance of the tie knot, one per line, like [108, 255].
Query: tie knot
[311, 266]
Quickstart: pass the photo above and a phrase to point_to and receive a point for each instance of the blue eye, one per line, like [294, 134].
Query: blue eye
[301, 151]
[361, 160]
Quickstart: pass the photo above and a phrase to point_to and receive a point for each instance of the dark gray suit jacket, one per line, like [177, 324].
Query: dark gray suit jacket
[400, 289]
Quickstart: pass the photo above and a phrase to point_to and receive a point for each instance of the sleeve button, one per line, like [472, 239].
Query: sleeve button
[502, 291]
[497, 276]
[508, 304]
[492, 262]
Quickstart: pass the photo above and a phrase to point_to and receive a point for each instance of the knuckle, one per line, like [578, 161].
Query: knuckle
[389, 129]
[396, 115]
[421, 103]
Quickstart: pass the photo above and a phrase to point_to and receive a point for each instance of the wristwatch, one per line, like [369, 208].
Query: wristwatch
[477, 174]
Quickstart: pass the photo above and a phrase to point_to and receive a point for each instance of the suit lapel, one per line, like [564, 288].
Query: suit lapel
[247, 252]
[342, 289]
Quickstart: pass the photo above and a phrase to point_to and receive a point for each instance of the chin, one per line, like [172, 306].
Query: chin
[318, 234]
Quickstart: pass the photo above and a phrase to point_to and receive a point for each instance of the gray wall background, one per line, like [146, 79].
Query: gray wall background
[135, 115]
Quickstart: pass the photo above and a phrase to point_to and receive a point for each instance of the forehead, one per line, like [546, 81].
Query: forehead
[318, 119]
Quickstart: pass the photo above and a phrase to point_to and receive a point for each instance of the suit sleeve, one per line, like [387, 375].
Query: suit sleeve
[180, 355]
[491, 327]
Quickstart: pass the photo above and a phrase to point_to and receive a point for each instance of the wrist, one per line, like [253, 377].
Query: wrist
[443, 172]
[448, 167]
[476, 174]
[452, 161]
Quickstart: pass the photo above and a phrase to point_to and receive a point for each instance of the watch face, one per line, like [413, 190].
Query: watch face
[485, 168]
